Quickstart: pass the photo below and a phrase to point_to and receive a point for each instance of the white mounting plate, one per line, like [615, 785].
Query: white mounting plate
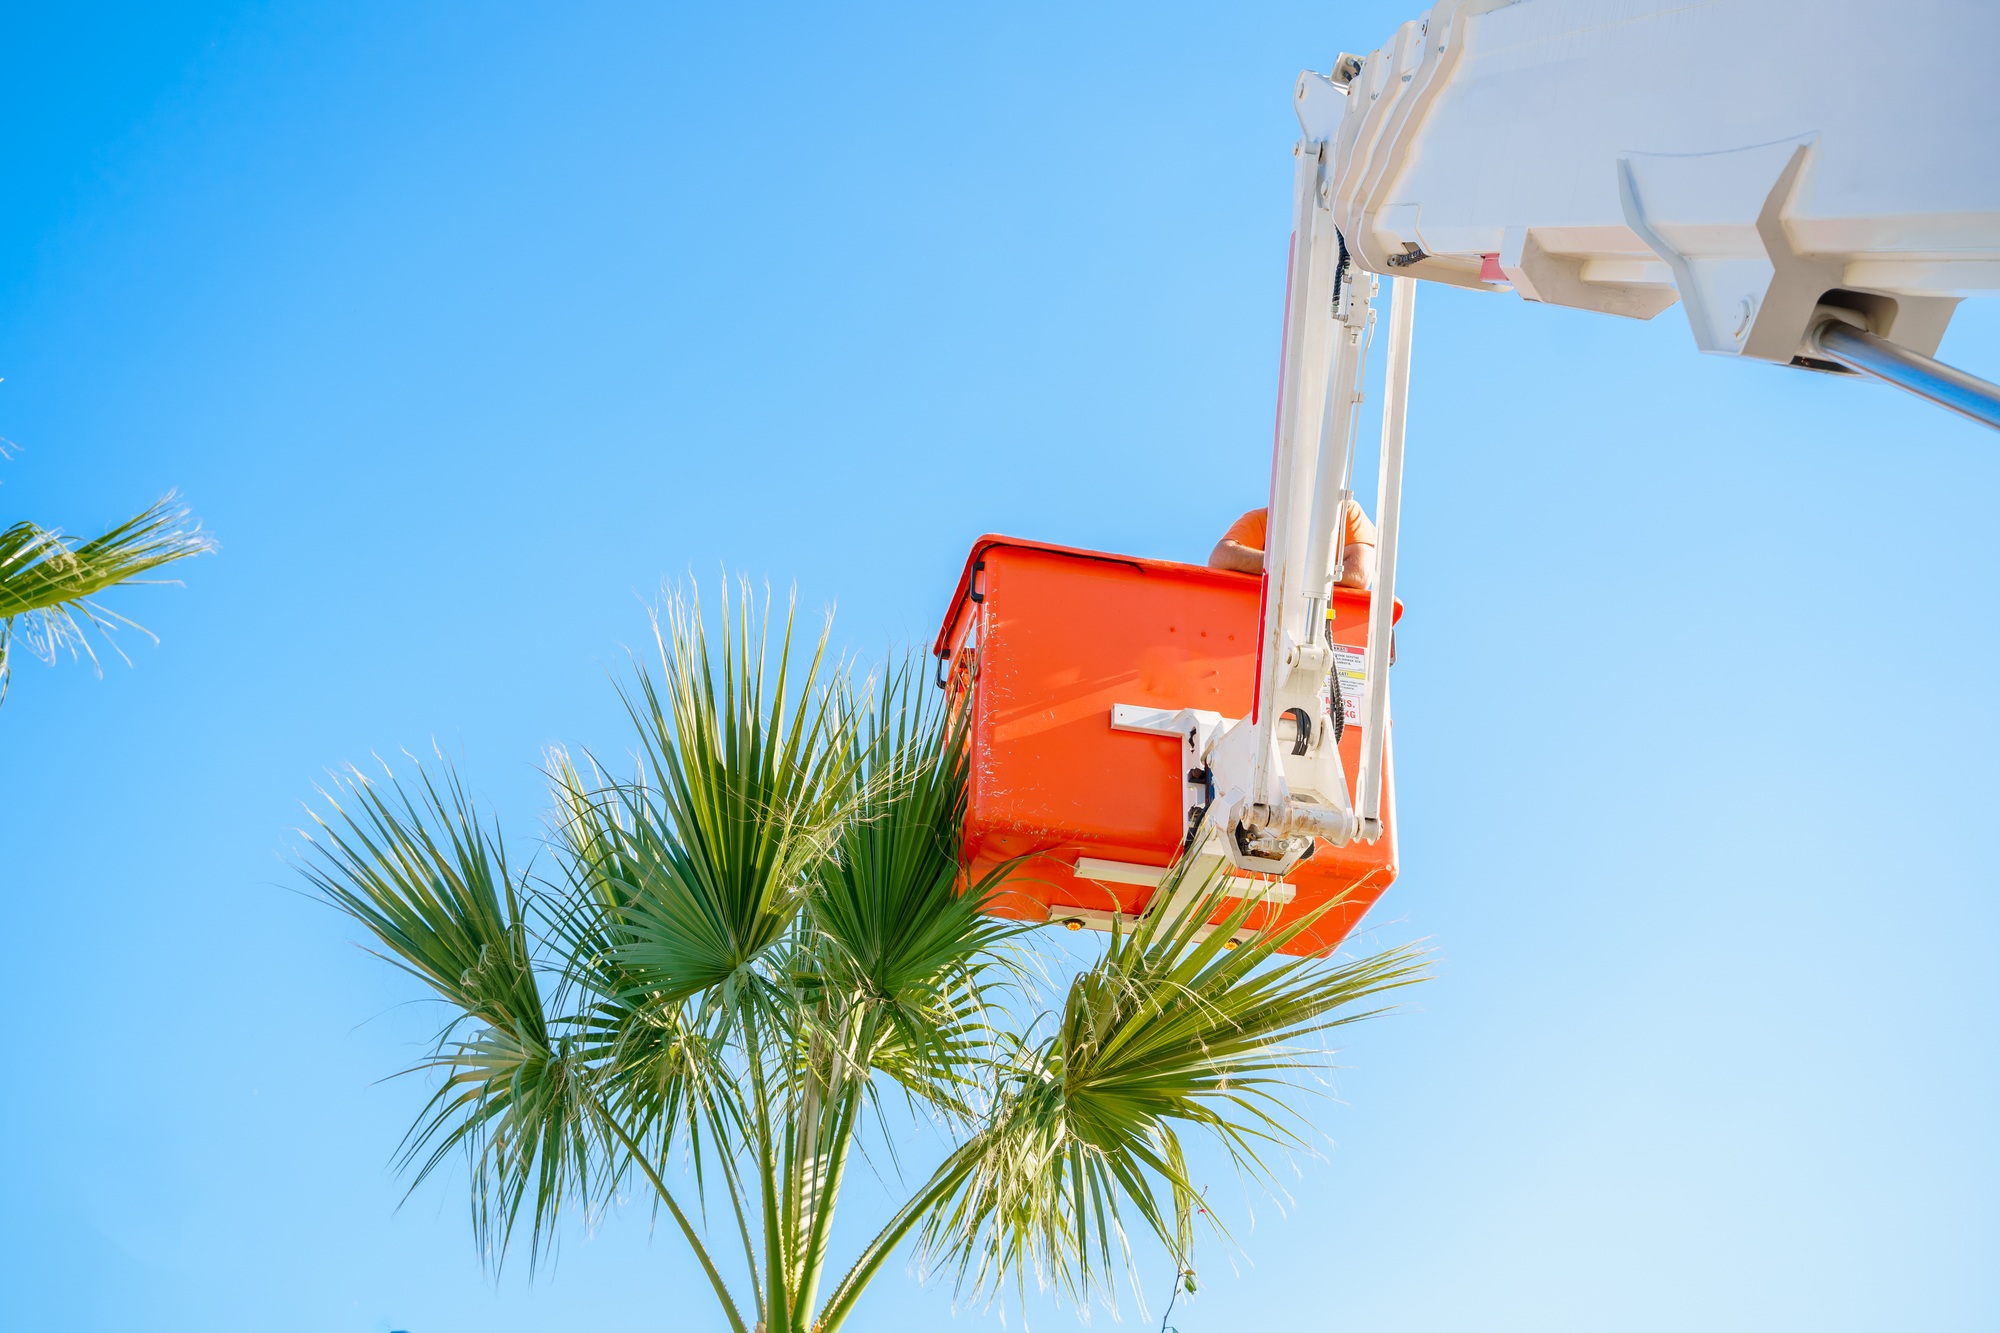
[1149, 721]
[1129, 872]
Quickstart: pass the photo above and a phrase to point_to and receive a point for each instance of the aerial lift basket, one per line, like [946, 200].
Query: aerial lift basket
[1040, 644]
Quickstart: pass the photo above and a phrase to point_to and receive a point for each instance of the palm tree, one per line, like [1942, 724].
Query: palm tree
[48, 582]
[753, 950]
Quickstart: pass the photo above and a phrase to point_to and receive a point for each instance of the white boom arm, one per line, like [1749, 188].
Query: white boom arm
[1818, 185]
[1776, 166]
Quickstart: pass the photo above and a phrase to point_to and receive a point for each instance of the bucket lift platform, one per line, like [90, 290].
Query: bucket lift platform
[1127, 712]
[1065, 660]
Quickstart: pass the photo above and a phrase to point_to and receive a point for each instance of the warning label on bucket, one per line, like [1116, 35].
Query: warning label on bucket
[1351, 667]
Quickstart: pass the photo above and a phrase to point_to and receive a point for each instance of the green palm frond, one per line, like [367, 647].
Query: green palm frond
[49, 582]
[684, 888]
[419, 868]
[889, 926]
[745, 787]
[528, 1120]
[542, 1105]
[665, 1058]
[421, 871]
[1171, 1030]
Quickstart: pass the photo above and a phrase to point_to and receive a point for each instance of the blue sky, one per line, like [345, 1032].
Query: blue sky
[463, 327]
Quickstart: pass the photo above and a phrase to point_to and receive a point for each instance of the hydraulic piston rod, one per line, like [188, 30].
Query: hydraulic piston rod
[1947, 386]
[1388, 522]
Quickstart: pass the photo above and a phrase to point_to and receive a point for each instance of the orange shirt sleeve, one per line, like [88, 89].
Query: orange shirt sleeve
[1359, 531]
[1249, 530]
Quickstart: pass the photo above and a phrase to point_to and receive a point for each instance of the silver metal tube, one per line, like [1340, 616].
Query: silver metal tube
[1388, 519]
[1329, 507]
[1947, 386]
[1338, 827]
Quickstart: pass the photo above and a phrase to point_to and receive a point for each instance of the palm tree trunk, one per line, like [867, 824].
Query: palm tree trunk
[852, 1075]
[777, 1299]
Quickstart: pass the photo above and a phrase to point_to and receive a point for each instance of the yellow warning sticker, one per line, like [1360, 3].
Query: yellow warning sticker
[1351, 666]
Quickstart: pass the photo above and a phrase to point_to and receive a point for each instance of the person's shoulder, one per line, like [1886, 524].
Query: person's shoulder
[1249, 529]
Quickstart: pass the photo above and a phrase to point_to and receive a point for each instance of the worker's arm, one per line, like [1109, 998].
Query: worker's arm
[1357, 562]
[1357, 556]
[1236, 557]
[1357, 565]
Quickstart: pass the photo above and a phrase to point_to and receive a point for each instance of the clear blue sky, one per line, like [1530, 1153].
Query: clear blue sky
[463, 326]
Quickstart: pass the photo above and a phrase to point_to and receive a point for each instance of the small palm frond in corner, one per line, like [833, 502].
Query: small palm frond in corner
[49, 582]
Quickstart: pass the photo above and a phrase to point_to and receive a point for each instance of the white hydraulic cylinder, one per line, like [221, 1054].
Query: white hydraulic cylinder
[1388, 524]
[1331, 493]
[1301, 373]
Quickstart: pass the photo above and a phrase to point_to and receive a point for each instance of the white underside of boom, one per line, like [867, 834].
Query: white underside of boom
[1753, 159]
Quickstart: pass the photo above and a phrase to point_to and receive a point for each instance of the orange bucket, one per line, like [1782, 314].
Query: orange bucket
[1043, 640]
